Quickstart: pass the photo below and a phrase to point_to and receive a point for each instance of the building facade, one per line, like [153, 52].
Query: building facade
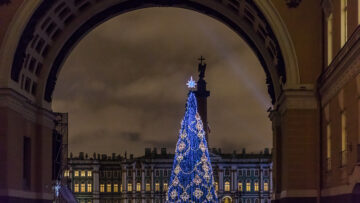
[239, 177]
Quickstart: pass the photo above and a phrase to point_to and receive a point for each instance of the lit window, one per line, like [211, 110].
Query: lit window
[102, 187]
[248, 186]
[82, 187]
[165, 187]
[330, 38]
[66, 173]
[343, 16]
[240, 186]
[129, 187]
[89, 173]
[256, 186]
[76, 173]
[82, 173]
[328, 144]
[148, 187]
[266, 186]
[227, 186]
[343, 139]
[89, 187]
[116, 187]
[157, 187]
[121, 188]
[138, 187]
[76, 187]
[216, 186]
[358, 10]
[108, 187]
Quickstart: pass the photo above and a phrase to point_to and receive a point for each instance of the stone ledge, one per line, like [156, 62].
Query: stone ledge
[20, 104]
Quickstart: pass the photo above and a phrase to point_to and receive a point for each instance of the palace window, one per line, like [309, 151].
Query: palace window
[240, 186]
[266, 172]
[89, 173]
[121, 188]
[89, 187]
[343, 17]
[256, 173]
[66, 173]
[227, 186]
[256, 200]
[76, 173]
[138, 173]
[256, 186]
[76, 187]
[147, 187]
[108, 187]
[138, 187]
[157, 173]
[330, 38]
[240, 172]
[102, 187]
[358, 10]
[328, 144]
[165, 186]
[165, 173]
[248, 186]
[129, 187]
[157, 187]
[248, 172]
[82, 173]
[227, 172]
[216, 186]
[343, 139]
[266, 186]
[116, 187]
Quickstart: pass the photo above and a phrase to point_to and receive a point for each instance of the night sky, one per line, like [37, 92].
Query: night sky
[124, 84]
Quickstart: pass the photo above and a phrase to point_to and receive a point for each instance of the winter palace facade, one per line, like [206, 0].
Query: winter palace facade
[239, 177]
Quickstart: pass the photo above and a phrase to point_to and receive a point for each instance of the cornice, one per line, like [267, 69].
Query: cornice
[344, 67]
[20, 104]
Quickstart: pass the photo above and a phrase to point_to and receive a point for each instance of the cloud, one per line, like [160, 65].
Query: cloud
[124, 84]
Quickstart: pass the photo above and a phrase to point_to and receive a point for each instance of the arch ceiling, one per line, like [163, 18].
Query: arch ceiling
[55, 27]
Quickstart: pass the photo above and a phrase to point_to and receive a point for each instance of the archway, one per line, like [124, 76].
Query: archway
[54, 28]
[227, 199]
[43, 34]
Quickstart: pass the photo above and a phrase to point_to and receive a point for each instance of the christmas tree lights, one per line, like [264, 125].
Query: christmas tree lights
[192, 177]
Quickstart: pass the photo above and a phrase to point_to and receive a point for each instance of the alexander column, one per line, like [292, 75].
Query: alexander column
[201, 96]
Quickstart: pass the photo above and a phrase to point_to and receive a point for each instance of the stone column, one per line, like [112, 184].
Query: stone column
[96, 184]
[221, 179]
[123, 180]
[232, 182]
[152, 184]
[143, 184]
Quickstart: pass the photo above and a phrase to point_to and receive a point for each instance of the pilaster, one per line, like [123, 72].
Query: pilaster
[296, 155]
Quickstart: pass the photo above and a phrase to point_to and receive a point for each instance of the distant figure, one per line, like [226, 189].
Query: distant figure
[202, 68]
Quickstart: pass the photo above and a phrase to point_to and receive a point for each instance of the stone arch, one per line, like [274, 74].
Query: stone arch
[52, 29]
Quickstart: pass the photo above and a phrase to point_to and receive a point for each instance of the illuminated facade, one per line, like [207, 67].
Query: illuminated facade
[239, 177]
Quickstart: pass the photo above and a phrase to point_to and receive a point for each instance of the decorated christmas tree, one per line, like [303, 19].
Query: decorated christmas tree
[192, 177]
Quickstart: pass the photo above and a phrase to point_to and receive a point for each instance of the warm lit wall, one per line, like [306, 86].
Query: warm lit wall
[340, 175]
[7, 12]
[22, 119]
[304, 24]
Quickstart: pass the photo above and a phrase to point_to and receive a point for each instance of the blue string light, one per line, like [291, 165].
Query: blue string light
[192, 176]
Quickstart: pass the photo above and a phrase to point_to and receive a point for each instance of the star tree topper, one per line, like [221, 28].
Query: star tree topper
[191, 83]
